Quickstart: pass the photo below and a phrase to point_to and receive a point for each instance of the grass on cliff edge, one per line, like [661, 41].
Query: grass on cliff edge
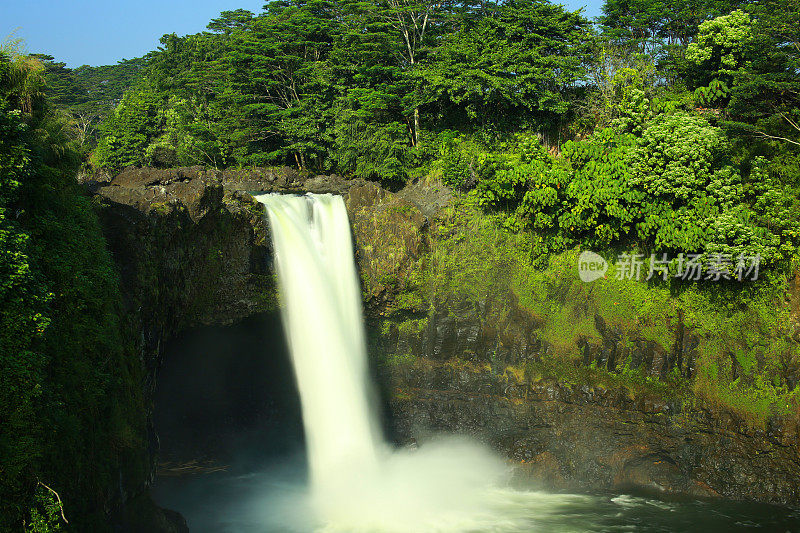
[743, 358]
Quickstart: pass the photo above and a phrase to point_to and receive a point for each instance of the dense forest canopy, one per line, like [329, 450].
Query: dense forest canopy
[373, 89]
[664, 127]
[370, 88]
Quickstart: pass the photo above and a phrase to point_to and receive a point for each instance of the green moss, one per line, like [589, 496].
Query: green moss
[743, 331]
[256, 209]
[402, 208]
[755, 402]
[411, 300]
[161, 208]
[571, 372]
[412, 327]
[267, 300]
[400, 360]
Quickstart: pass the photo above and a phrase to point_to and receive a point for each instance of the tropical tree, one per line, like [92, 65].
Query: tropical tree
[512, 67]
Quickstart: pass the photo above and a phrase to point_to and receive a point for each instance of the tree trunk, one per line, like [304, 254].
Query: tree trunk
[416, 127]
[415, 138]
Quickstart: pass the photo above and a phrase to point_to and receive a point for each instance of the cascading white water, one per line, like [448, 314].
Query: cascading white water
[321, 305]
[358, 484]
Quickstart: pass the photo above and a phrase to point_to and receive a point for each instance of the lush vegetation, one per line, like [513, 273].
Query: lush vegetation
[665, 128]
[87, 95]
[71, 417]
[375, 88]
[357, 87]
[743, 362]
[669, 186]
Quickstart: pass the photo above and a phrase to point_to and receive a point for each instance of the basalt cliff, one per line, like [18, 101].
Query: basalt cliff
[568, 380]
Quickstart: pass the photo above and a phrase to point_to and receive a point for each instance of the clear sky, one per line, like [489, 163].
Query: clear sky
[101, 32]
[591, 8]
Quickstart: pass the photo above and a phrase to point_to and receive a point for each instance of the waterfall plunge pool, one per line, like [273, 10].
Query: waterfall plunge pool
[221, 402]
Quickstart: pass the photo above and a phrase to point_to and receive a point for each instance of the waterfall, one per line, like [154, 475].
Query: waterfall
[321, 306]
[357, 483]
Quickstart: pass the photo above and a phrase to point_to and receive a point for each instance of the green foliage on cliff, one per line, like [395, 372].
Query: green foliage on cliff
[70, 410]
[669, 188]
[46, 513]
[738, 337]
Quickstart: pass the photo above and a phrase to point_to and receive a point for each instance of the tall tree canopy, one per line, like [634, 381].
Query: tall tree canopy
[512, 67]
[350, 86]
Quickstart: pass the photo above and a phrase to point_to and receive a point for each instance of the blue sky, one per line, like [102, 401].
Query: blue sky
[95, 32]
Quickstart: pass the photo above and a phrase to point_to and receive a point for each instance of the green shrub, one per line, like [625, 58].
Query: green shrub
[659, 182]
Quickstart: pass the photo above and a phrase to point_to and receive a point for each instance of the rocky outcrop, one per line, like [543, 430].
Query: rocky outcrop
[507, 334]
[192, 248]
[191, 243]
[592, 438]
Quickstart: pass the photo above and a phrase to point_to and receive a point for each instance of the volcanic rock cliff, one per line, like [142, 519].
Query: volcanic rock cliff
[192, 248]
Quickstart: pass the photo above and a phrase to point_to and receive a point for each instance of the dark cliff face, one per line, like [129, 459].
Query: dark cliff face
[191, 244]
[592, 438]
[192, 248]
